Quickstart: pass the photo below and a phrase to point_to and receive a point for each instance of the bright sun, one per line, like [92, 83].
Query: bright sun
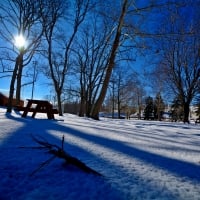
[20, 41]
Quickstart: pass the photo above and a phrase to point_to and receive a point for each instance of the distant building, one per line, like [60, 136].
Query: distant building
[4, 100]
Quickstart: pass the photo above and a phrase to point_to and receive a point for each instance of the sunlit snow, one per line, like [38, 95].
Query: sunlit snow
[138, 159]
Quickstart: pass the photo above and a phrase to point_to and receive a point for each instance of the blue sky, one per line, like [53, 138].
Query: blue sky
[41, 88]
[39, 91]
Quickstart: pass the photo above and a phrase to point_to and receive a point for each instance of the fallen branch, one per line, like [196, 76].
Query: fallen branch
[60, 153]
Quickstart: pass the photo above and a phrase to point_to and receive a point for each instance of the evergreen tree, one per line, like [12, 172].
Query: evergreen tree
[149, 108]
[159, 107]
[177, 111]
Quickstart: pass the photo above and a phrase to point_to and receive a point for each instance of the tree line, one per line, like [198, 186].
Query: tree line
[87, 48]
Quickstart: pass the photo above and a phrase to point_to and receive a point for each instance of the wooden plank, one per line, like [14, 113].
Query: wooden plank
[26, 109]
[20, 108]
[53, 111]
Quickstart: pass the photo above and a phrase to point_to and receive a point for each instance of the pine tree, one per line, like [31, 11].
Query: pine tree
[149, 109]
[177, 111]
[159, 107]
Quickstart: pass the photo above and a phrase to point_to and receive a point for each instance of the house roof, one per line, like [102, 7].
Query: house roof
[3, 94]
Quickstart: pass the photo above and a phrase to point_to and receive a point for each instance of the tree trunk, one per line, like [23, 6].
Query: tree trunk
[119, 109]
[186, 112]
[82, 106]
[12, 84]
[99, 102]
[139, 106]
[82, 95]
[58, 93]
[88, 108]
[119, 102]
[19, 78]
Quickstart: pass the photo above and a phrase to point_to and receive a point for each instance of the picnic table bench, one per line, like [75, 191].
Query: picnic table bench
[38, 106]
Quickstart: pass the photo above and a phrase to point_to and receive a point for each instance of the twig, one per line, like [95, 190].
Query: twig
[44, 143]
[60, 153]
[63, 138]
[42, 165]
[23, 147]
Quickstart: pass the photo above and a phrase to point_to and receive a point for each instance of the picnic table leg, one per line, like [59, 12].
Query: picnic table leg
[26, 109]
[50, 114]
[35, 111]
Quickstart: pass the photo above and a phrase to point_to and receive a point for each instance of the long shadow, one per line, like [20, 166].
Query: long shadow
[181, 168]
[18, 176]
[177, 167]
[172, 165]
[139, 134]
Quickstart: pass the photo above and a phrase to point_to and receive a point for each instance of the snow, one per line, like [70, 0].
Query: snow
[138, 159]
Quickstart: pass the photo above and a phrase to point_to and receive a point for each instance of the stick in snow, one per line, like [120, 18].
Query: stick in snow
[60, 153]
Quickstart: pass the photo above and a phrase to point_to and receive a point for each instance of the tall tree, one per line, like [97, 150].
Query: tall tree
[177, 109]
[124, 85]
[159, 107]
[93, 57]
[20, 18]
[149, 108]
[111, 61]
[92, 51]
[180, 60]
[127, 34]
[59, 41]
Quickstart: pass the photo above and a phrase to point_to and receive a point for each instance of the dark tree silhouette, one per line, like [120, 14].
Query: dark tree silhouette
[159, 107]
[149, 109]
[177, 110]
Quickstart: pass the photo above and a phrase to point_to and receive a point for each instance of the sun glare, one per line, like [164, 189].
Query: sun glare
[20, 41]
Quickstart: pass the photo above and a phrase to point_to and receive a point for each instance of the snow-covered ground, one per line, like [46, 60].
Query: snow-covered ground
[138, 159]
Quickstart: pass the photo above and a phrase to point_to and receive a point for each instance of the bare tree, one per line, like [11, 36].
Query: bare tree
[159, 107]
[92, 52]
[60, 43]
[121, 89]
[135, 87]
[93, 57]
[111, 61]
[128, 33]
[180, 60]
[20, 18]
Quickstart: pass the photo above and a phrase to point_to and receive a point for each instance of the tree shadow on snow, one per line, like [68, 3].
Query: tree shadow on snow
[64, 182]
[43, 127]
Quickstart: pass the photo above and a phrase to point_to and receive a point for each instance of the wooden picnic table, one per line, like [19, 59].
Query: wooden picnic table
[38, 106]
